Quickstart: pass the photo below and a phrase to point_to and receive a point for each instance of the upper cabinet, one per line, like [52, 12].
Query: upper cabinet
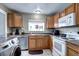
[50, 22]
[14, 20]
[63, 13]
[70, 9]
[77, 13]
[74, 8]
[68, 17]
[71, 16]
[56, 17]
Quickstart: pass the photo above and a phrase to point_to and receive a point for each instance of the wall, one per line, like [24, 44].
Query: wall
[71, 30]
[6, 10]
[28, 17]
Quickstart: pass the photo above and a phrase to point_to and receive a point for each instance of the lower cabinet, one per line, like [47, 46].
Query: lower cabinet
[39, 42]
[71, 52]
[72, 49]
[32, 44]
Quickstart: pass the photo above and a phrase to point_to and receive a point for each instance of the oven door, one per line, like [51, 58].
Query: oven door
[59, 47]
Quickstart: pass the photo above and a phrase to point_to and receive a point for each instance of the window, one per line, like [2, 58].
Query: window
[35, 26]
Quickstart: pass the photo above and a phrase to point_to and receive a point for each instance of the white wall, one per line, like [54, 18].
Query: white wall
[6, 10]
[28, 17]
[69, 30]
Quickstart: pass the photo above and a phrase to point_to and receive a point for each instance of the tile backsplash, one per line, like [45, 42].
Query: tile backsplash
[71, 30]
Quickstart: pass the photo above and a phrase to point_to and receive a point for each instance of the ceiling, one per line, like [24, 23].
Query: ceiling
[45, 8]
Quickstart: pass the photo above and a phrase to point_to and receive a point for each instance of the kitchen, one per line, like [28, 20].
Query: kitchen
[38, 30]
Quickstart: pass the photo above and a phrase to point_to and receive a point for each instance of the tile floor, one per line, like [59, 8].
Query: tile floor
[46, 52]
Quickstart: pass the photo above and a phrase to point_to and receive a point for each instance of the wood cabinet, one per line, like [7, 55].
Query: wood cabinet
[70, 9]
[56, 17]
[37, 42]
[77, 13]
[72, 50]
[14, 20]
[73, 8]
[63, 13]
[50, 22]
[46, 42]
[33, 44]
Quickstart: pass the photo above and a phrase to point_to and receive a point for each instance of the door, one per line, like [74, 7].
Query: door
[71, 52]
[14, 20]
[62, 14]
[50, 22]
[45, 42]
[70, 9]
[32, 43]
[56, 17]
[39, 43]
[10, 20]
[18, 21]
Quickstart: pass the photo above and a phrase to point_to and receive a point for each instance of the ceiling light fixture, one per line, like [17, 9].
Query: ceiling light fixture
[37, 11]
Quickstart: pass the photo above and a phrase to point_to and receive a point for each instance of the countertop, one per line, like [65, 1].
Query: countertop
[29, 34]
[3, 39]
[75, 42]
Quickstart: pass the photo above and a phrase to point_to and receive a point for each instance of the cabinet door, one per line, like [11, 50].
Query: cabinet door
[56, 17]
[71, 52]
[77, 14]
[10, 20]
[32, 44]
[18, 21]
[50, 22]
[39, 43]
[70, 9]
[50, 43]
[62, 14]
[45, 42]
[14, 20]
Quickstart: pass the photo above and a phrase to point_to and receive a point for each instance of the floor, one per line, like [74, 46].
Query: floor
[46, 52]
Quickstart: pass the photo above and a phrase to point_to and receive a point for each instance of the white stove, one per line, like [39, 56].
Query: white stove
[59, 46]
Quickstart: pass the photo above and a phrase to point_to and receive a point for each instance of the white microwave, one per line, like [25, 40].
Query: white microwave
[68, 20]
